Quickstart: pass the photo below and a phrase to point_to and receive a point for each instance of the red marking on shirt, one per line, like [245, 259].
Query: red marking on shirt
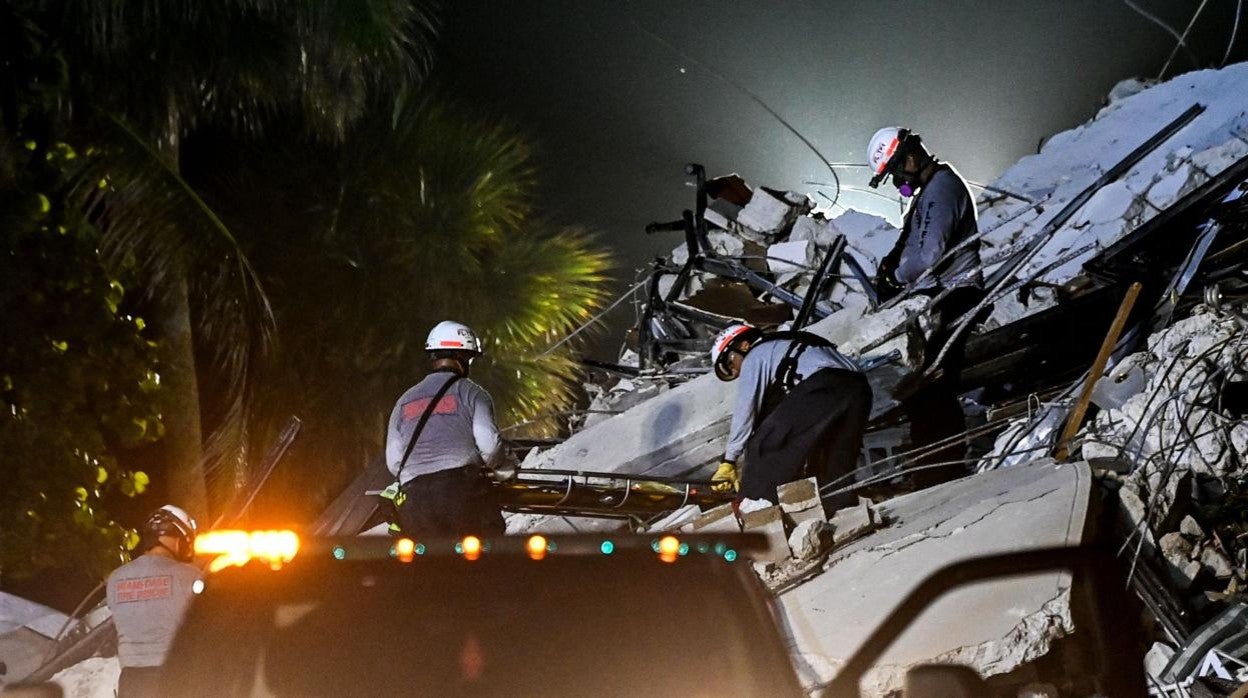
[144, 588]
[412, 410]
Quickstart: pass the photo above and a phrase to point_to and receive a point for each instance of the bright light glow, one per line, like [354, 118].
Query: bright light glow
[237, 548]
[471, 547]
[607, 547]
[730, 555]
[536, 547]
[197, 586]
[405, 549]
[669, 548]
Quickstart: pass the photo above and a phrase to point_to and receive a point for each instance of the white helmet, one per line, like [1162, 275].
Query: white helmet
[883, 145]
[171, 521]
[449, 335]
[727, 337]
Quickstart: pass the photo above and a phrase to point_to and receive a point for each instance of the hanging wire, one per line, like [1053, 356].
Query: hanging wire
[1183, 40]
[1239, 7]
[753, 97]
[623, 297]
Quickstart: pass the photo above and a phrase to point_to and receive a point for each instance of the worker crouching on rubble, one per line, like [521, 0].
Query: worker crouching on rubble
[931, 257]
[441, 438]
[148, 597]
[800, 410]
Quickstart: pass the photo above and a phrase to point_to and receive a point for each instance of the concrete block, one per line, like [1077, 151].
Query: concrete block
[770, 523]
[800, 501]
[765, 213]
[721, 519]
[853, 522]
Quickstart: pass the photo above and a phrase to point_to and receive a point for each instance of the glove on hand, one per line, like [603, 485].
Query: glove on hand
[725, 478]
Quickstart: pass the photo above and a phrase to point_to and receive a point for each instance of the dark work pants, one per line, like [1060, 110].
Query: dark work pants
[450, 503]
[820, 423]
[934, 410]
[139, 682]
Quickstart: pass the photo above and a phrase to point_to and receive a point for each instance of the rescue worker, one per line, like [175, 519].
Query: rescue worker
[440, 470]
[940, 218]
[801, 407]
[148, 597]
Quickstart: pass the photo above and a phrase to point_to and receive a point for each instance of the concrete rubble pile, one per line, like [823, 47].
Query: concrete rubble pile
[1178, 462]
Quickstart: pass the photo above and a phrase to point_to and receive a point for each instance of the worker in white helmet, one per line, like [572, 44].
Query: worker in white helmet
[800, 410]
[148, 597]
[936, 255]
[440, 440]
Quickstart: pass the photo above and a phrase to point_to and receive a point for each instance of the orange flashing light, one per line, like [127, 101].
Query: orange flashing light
[471, 546]
[237, 548]
[405, 549]
[669, 548]
[536, 547]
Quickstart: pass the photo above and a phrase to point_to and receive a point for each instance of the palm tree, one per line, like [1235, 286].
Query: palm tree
[144, 74]
[416, 216]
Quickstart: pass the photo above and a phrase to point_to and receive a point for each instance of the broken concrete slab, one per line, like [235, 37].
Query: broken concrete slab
[1039, 505]
[720, 519]
[853, 522]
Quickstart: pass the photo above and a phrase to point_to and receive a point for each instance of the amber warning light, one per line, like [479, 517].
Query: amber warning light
[237, 548]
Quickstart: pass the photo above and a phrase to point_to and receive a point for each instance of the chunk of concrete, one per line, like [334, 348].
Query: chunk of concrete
[800, 501]
[770, 523]
[810, 538]
[1218, 564]
[1190, 528]
[993, 626]
[765, 213]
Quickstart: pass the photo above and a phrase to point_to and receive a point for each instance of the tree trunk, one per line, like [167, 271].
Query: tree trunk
[182, 445]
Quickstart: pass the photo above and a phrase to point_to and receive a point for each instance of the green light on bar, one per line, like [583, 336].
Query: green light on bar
[730, 555]
[340, 553]
[607, 547]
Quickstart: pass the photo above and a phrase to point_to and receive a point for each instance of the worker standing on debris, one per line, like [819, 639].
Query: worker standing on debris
[441, 436]
[801, 406]
[148, 597]
[936, 255]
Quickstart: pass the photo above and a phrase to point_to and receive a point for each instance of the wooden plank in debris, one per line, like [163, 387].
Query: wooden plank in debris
[1098, 367]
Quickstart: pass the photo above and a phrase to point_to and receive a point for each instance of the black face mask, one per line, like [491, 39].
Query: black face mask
[906, 182]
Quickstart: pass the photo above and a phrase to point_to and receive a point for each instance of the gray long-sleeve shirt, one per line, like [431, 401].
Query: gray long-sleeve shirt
[148, 597]
[461, 431]
[758, 370]
[941, 216]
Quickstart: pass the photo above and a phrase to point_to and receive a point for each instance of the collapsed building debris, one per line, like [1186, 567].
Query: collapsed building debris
[1150, 191]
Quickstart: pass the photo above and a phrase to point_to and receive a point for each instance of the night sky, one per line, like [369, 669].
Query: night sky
[616, 112]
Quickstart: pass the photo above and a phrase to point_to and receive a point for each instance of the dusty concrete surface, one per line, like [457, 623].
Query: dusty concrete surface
[1014, 621]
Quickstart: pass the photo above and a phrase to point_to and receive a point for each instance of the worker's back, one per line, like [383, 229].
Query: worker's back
[148, 597]
[460, 430]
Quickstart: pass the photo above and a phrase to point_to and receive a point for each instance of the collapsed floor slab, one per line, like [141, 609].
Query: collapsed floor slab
[993, 627]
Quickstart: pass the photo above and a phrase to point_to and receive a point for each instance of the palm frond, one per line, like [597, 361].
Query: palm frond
[149, 214]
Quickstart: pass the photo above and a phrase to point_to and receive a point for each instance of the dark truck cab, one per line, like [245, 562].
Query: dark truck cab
[517, 616]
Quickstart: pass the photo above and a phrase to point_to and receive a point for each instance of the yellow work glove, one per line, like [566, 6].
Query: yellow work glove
[725, 478]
